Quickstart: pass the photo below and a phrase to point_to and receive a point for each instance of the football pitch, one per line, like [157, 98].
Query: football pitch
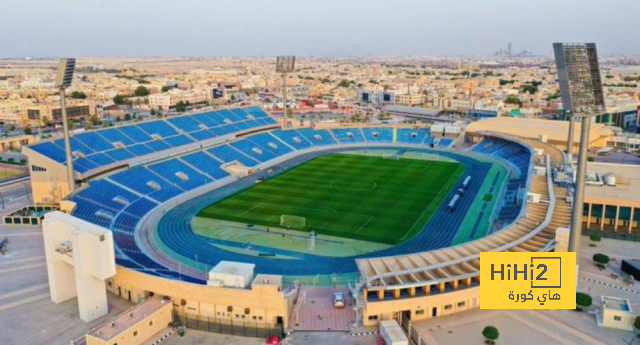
[360, 197]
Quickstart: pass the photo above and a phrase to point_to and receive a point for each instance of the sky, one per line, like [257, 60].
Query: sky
[319, 28]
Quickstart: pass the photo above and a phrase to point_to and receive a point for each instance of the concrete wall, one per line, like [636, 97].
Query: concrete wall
[82, 270]
[140, 332]
[422, 307]
[265, 302]
[49, 186]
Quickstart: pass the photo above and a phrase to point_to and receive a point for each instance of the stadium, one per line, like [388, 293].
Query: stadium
[397, 215]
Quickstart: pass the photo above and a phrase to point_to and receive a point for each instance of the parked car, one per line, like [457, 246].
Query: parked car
[338, 300]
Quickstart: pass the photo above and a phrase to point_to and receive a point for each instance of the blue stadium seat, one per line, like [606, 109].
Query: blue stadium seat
[159, 127]
[179, 173]
[293, 138]
[185, 123]
[113, 135]
[320, 137]
[348, 135]
[135, 133]
[378, 135]
[411, 136]
[228, 154]
[206, 164]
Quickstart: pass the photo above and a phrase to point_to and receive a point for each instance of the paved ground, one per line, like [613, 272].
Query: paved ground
[548, 326]
[193, 337]
[27, 315]
[317, 312]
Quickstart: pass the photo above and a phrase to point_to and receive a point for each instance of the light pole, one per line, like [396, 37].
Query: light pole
[582, 95]
[66, 68]
[572, 123]
[284, 65]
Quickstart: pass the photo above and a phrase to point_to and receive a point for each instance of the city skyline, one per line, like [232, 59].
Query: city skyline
[255, 29]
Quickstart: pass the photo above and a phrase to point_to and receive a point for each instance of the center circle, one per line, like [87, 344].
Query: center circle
[353, 185]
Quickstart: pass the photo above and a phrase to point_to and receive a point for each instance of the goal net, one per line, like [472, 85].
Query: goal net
[292, 221]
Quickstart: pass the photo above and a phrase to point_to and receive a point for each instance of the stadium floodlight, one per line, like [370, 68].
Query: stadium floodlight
[284, 65]
[582, 97]
[66, 67]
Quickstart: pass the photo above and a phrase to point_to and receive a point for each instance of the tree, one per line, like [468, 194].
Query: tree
[636, 323]
[165, 88]
[181, 106]
[490, 334]
[127, 117]
[119, 99]
[95, 120]
[513, 99]
[153, 112]
[141, 91]
[532, 89]
[583, 300]
[118, 119]
[12, 128]
[595, 239]
[344, 83]
[78, 95]
[600, 259]
[28, 131]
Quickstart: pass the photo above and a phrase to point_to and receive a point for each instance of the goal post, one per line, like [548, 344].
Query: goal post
[292, 221]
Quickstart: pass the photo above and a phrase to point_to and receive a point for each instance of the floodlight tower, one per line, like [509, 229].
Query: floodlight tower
[66, 67]
[284, 65]
[582, 95]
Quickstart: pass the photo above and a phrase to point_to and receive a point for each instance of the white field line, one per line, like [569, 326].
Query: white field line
[431, 204]
[249, 210]
[365, 224]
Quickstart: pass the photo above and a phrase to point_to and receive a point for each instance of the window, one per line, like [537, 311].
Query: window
[420, 312]
[36, 168]
[151, 323]
[461, 304]
[448, 307]
[617, 318]
[373, 317]
[135, 333]
[101, 238]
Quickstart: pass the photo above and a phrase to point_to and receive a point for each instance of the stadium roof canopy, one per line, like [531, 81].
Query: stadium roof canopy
[556, 131]
[421, 113]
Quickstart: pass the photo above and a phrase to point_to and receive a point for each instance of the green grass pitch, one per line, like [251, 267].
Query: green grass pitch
[360, 197]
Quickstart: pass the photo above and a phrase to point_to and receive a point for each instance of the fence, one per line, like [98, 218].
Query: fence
[230, 326]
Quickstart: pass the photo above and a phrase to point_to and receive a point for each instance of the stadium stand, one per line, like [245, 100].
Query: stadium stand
[378, 134]
[121, 200]
[348, 135]
[412, 136]
[96, 149]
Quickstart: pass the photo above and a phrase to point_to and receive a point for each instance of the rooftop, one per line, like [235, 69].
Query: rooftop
[129, 318]
[627, 182]
[616, 303]
[555, 130]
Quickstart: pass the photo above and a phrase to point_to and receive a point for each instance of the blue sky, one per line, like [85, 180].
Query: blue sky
[312, 28]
